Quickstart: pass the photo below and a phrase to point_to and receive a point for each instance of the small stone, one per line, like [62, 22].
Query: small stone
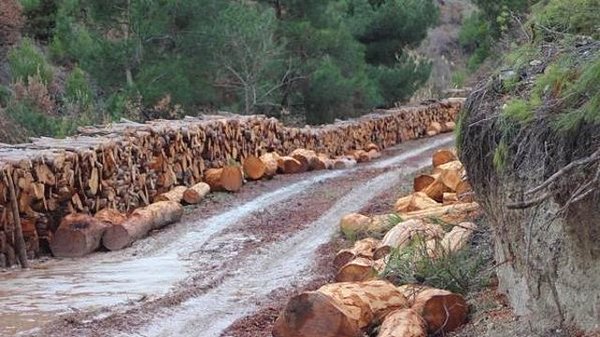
[535, 63]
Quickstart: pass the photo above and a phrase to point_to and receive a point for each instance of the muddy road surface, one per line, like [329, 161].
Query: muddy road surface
[216, 266]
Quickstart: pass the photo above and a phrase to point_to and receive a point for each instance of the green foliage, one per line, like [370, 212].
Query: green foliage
[500, 156]
[521, 56]
[458, 272]
[476, 40]
[38, 123]
[459, 78]
[572, 17]
[40, 18]
[328, 92]
[77, 88]
[26, 61]
[399, 82]
[518, 110]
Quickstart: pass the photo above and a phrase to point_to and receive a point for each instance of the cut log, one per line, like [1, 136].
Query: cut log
[458, 237]
[449, 199]
[213, 178]
[175, 194]
[77, 235]
[451, 214]
[323, 162]
[437, 189]
[403, 323]
[270, 160]
[308, 158]
[338, 310]
[422, 181]
[290, 165]
[442, 157]
[358, 270]
[110, 216]
[415, 202]
[374, 154]
[450, 174]
[434, 129]
[196, 193]
[442, 310]
[361, 248]
[254, 168]
[344, 163]
[361, 156]
[371, 147]
[232, 178]
[141, 222]
[464, 192]
[354, 223]
[448, 126]
[403, 234]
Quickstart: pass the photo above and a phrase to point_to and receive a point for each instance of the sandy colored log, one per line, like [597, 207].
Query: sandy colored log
[437, 189]
[196, 193]
[141, 222]
[344, 163]
[374, 154]
[449, 199]
[290, 165]
[403, 323]
[110, 216]
[371, 147]
[338, 310]
[323, 162]
[270, 161]
[434, 128]
[443, 311]
[309, 158]
[175, 194]
[451, 214]
[450, 174]
[227, 178]
[361, 248]
[354, 222]
[458, 237]
[254, 168]
[360, 269]
[442, 157]
[403, 233]
[361, 156]
[77, 235]
[448, 126]
[415, 202]
[421, 182]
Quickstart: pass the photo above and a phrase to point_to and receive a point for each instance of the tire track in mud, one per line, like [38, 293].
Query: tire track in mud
[222, 254]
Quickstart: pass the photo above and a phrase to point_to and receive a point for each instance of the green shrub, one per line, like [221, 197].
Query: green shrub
[77, 88]
[26, 61]
[518, 110]
[398, 82]
[572, 16]
[26, 114]
[459, 272]
[41, 18]
[328, 94]
[459, 78]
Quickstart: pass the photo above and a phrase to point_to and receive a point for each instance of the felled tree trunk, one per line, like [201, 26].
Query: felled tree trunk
[227, 178]
[290, 165]
[343, 163]
[308, 158]
[422, 181]
[442, 310]
[415, 202]
[175, 194]
[270, 161]
[213, 178]
[338, 310]
[360, 269]
[403, 233]
[77, 235]
[451, 214]
[196, 193]
[442, 157]
[141, 222]
[254, 168]
[110, 216]
[403, 323]
[362, 248]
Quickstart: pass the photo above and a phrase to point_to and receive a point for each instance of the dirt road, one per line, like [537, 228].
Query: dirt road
[216, 266]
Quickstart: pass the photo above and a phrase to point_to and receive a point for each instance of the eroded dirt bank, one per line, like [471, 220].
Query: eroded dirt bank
[223, 262]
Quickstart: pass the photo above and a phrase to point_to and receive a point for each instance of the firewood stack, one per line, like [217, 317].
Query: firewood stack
[126, 165]
[342, 309]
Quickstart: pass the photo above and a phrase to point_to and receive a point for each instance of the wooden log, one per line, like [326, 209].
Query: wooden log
[175, 194]
[437, 189]
[341, 163]
[141, 222]
[361, 156]
[371, 147]
[434, 128]
[254, 168]
[110, 216]
[19, 240]
[415, 202]
[232, 178]
[196, 193]
[442, 310]
[270, 160]
[213, 178]
[403, 323]
[290, 165]
[354, 223]
[77, 236]
[323, 162]
[404, 233]
[449, 199]
[451, 214]
[464, 192]
[421, 182]
[358, 270]
[338, 310]
[458, 237]
[448, 126]
[308, 158]
[374, 154]
[442, 157]
[361, 248]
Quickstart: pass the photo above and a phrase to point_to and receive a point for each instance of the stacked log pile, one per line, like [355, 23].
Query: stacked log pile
[405, 310]
[127, 165]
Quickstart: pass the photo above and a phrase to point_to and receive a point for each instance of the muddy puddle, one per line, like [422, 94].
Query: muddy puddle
[28, 299]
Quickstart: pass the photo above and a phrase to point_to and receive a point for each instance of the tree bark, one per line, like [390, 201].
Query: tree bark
[77, 236]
